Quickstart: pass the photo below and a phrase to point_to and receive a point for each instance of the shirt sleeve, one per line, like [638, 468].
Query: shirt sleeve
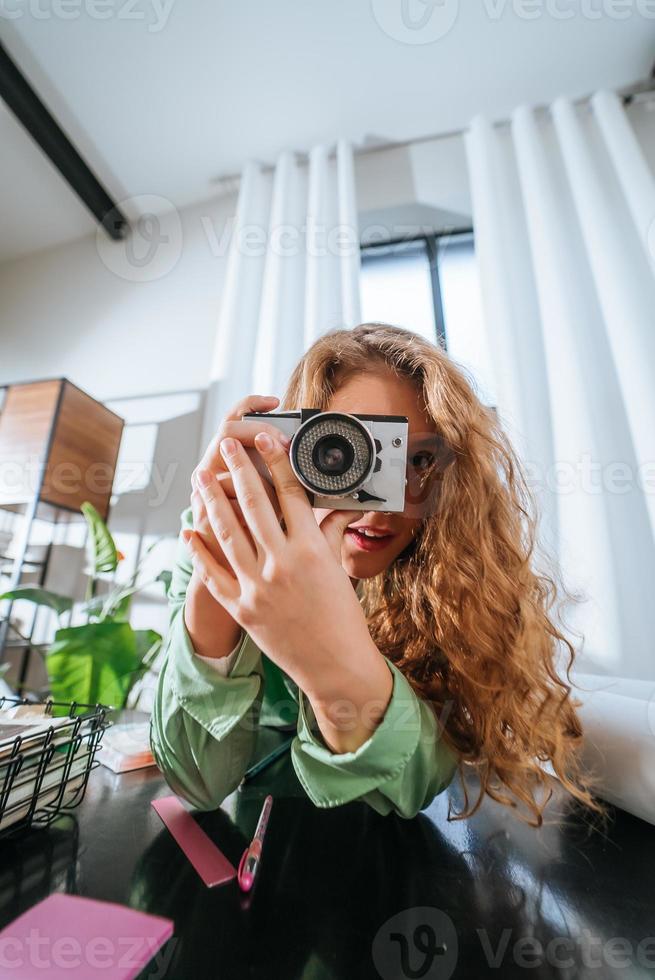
[203, 725]
[400, 768]
[222, 665]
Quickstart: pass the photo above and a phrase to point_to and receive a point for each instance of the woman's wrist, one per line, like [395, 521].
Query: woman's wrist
[350, 699]
[212, 631]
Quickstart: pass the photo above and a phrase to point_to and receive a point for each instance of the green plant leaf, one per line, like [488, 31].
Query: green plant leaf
[42, 597]
[148, 643]
[110, 606]
[166, 577]
[97, 662]
[102, 549]
[117, 603]
[93, 607]
[120, 611]
[144, 558]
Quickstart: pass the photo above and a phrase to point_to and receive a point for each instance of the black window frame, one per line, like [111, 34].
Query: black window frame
[433, 243]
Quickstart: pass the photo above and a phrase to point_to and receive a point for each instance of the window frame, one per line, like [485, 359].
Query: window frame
[433, 242]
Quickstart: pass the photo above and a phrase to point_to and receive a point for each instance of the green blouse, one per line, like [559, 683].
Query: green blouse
[203, 727]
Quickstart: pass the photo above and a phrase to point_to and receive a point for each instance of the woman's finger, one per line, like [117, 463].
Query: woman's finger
[200, 521]
[216, 579]
[199, 514]
[251, 495]
[243, 431]
[333, 527]
[292, 496]
[252, 403]
[230, 535]
[225, 480]
[197, 508]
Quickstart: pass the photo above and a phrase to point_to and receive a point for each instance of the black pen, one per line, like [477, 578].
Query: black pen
[267, 760]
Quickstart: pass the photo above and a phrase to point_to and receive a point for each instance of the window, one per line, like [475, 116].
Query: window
[397, 286]
[430, 285]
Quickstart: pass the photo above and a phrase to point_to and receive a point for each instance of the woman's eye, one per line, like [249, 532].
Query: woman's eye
[422, 461]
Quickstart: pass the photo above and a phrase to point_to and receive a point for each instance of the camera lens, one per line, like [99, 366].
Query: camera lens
[333, 455]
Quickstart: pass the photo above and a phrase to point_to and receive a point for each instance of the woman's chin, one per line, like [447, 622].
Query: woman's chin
[357, 570]
[363, 565]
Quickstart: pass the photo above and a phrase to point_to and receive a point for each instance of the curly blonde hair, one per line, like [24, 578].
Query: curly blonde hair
[462, 612]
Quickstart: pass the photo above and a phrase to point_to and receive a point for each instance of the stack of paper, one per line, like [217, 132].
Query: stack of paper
[20, 770]
[126, 746]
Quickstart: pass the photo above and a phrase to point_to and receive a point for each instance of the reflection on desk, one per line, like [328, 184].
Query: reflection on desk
[345, 893]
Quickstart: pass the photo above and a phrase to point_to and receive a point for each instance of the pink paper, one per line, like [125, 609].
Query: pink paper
[210, 863]
[67, 937]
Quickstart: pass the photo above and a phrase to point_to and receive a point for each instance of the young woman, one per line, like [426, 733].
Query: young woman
[402, 647]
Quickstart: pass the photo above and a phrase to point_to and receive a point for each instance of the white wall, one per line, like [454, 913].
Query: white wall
[65, 311]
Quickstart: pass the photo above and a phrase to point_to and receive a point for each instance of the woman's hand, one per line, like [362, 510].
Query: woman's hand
[212, 630]
[290, 593]
[212, 460]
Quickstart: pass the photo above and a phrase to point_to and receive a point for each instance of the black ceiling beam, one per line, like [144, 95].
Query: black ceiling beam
[45, 130]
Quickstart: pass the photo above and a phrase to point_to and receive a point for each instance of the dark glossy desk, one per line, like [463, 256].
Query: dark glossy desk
[347, 894]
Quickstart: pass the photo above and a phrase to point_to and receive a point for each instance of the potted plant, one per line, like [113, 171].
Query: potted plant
[101, 660]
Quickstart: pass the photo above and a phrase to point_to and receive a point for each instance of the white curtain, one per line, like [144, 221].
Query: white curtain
[292, 273]
[564, 218]
[563, 206]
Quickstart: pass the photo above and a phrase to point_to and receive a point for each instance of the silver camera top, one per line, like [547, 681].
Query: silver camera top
[345, 462]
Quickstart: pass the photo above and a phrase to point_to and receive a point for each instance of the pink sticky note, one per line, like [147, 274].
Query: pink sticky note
[210, 863]
[67, 937]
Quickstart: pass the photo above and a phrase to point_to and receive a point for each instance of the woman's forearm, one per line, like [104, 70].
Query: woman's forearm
[212, 630]
[350, 701]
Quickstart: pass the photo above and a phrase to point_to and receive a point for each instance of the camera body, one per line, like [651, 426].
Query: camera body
[345, 462]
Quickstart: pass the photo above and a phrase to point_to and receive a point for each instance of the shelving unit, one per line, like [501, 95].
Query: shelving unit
[59, 446]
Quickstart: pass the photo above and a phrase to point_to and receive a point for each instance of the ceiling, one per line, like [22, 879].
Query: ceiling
[163, 96]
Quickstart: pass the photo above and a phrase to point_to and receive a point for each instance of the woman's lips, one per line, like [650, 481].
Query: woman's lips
[366, 543]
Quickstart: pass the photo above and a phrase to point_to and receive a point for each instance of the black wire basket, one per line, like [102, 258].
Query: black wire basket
[45, 773]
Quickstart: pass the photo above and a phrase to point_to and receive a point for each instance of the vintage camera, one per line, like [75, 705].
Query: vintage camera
[345, 462]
